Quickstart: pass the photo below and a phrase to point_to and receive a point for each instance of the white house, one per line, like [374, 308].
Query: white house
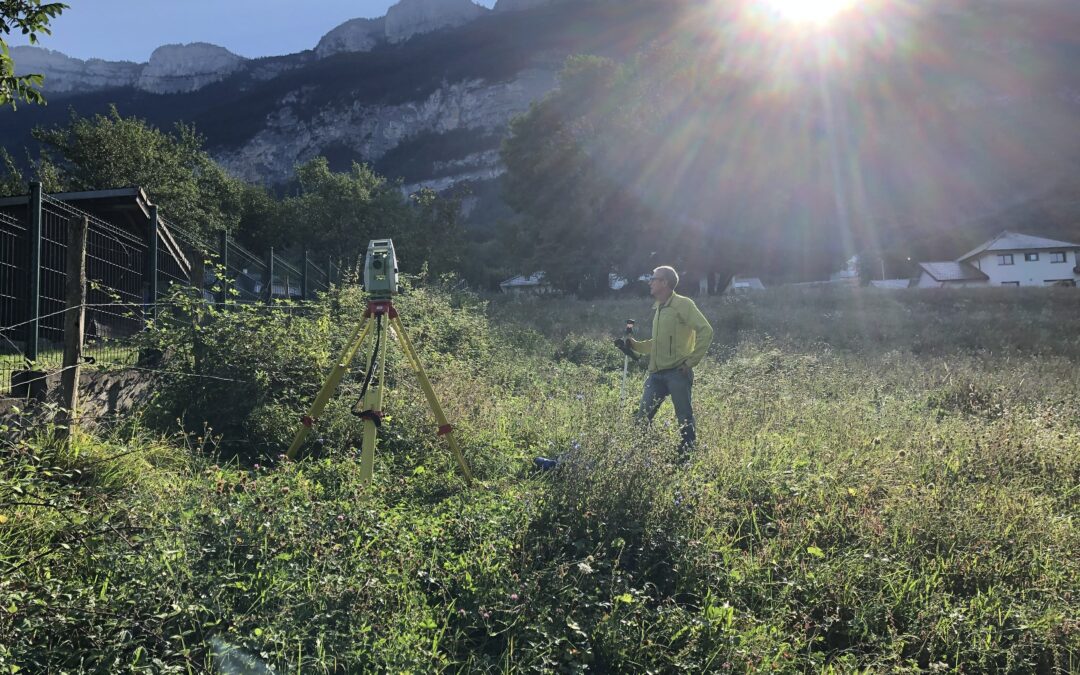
[1009, 259]
[1012, 259]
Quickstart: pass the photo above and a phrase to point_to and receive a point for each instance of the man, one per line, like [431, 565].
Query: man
[680, 337]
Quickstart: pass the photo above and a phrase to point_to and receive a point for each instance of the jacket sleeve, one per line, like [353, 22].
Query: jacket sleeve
[703, 334]
[641, 346]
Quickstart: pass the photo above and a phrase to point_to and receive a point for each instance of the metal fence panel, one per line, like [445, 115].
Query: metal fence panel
[13, 294]
[115, 274]
[118, 296]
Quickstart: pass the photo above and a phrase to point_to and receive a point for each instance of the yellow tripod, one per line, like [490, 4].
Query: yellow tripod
[372, 415]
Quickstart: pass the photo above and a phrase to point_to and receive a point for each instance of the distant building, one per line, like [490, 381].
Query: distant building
[1009, 259]
[850, 272]
[1012, 259]
[534, 284]
[948, 274]
[890, 284]
[617, 283]
[744, 284]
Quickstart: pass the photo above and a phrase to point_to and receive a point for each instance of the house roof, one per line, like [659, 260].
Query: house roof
[953, 271]
[535, 279]
[1014, 241]
[890, 283]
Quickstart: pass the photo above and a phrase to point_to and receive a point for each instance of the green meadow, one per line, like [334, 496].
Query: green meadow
[885, 482]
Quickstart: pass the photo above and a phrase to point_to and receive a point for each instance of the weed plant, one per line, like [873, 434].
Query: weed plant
[883, 483]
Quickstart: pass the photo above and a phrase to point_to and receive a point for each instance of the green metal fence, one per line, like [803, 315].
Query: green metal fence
[130, 273]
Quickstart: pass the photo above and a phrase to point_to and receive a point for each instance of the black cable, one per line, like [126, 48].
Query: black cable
[371, 368]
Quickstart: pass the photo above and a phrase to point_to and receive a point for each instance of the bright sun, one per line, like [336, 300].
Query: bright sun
[809, 11]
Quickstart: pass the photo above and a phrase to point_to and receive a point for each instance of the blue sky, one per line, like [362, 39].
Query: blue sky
[130, 29]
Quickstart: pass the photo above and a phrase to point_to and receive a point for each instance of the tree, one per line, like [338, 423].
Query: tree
[29, 17]
[111, 151]
[578, 221]
[336, 214]
[13, 182]
[677, 156]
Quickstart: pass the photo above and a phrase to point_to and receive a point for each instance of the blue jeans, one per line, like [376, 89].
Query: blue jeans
[662, 384]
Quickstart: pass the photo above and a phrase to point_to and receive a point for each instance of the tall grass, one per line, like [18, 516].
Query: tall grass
[866, 495]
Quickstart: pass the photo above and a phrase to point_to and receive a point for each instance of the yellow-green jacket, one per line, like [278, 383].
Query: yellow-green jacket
[680, 335]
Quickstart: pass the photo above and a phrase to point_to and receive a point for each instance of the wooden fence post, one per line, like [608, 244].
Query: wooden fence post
[74, 322]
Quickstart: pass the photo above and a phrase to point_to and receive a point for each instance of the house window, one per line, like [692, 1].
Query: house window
[1005, 259]
[1031, 257]
[1010, 283]
[1057, 256]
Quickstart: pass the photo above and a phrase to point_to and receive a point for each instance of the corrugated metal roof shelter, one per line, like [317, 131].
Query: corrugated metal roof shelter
[952, 271]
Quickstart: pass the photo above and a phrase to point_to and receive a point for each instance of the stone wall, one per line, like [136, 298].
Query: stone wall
[103, 396]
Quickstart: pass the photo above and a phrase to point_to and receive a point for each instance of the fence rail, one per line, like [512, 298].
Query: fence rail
[130, 269]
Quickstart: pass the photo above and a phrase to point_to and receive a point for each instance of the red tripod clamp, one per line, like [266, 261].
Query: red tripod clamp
[380, 307]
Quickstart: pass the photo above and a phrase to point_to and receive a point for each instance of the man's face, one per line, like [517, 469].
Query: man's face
[658, 287]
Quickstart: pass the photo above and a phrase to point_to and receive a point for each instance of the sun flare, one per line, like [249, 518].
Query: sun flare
[809, 11]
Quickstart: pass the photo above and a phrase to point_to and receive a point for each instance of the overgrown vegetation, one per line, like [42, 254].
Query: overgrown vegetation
[855, 503]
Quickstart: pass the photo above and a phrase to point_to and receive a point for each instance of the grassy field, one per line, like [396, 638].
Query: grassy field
[884, 483]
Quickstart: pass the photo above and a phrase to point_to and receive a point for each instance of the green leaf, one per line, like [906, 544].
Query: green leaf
[625, 597]
[815, 551]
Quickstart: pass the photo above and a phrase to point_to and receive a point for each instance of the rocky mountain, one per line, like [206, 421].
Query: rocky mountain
[958, 109]
[425, 93]
[66, 74]
[402, 21]
[357, 35]
[412, 17]
[171, 69]
[184, 68]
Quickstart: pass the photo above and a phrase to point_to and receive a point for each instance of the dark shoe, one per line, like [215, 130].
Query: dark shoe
[545, 464]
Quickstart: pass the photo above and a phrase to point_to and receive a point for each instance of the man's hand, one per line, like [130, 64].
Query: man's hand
[623, 345]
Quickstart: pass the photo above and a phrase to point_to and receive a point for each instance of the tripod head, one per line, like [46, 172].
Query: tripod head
[380, 269]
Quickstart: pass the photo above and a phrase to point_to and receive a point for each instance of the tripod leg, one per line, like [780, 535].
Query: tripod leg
[372, 401]
[433, 402]
[625, 369]
[330, 385]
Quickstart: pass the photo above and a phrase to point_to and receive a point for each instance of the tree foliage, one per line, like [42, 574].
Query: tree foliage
[578, 218]
[111, 151]
[337, 213]
[667, 158]
[30, 18]
[333, 214]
